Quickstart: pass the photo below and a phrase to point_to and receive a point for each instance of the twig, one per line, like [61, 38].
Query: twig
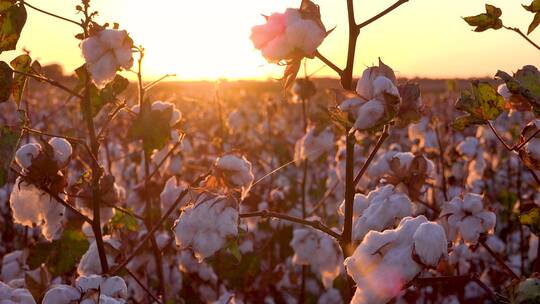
[382, 14]
[51, 14]
[329, 63]
[499, 260]
[371, 156]
[143, 286]
[110, 118]
[499, 136]
[51, 82]
[520, 146]
[153, 83]
[314, 224]
[171, 151]
[515, 29]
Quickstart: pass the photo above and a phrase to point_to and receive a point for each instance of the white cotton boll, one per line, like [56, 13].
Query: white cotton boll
[360, 204]
[92, 49]
[364, 86]
[237, 171]
[262, 34]
[382, 85]
[305, 35]
[312, 145]
[111, 38]
[103, 70]
[114, 287]
[470, 228]
[430, 243]
[53, 218]
[469, 147]
[369, 115]
[90, 263]
[13, 265]
[330, 296]
[385, 205]
[277, 49]
[61, 294]
[460, 257]
[533, 148]
[472, 203]
[124, 57]
[26, 154]
[62, 150]
[351, 105]
[504, 92]
[381, 166]
[170, 193]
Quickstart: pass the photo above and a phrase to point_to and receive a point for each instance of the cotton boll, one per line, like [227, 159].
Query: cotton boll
[472, 203]
[61, 294]
[430, 243]
[103, 70]
[369, 115]
[313, 145]
[90, 263]
[62, 150]
[111, 38]
[305, 35]
[114, 287]
[383, 85]
[469, 147]
[360, 204]
[262, 34]
[92, 49]
[277, 49]
[533, 148]
[330, 296]
[237, 172]
[504, 92]
[124, 56]
[13, 265]
[364, 86]
[10, 295]
[26, 154]
[170, 193]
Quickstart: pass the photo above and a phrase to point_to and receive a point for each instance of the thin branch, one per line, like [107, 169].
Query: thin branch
[329, 63]
[324, 198]
[381, 14]
[499, 260]
[499, 136]
[520, 146]
[143, 286]
[371, 156]
[51, 82]
[171, 151]
[515, 29]
[153, 83]
[51, 14]
[314, 224]
[535, 176]
[110, 118]
[156, 226]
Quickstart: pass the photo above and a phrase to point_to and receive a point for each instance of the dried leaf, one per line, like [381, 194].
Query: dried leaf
[488, 20]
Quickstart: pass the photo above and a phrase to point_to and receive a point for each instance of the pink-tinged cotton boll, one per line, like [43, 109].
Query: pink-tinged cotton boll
[237, 172]
[105, 53]
[26, 154]
[369, 114]
[430, 243]
[61, 294]
[306, 35]
[275, 26]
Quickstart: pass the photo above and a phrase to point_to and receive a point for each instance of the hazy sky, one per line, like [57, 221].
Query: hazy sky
[201, 39]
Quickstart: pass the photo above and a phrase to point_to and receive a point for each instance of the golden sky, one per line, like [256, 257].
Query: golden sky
[209, 39]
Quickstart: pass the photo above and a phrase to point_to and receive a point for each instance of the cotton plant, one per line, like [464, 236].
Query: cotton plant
[314, 144]
[385, 262]
[467, 218]
[41, 165]
[327, 263]
[106, 52]
[206, 225]
[111, 195]
[377, 98]
[13, 265]
[91, 289]
[385, 205]
[423, 135]
[171, 191]
[235, 172]
[472, 151]
[90, 262]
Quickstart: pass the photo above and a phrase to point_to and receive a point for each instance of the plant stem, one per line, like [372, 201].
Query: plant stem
[143, 286]
[314, 224]
[515, 29]
[371, 156]
[51, 14]
[382, 14]
[51, 82]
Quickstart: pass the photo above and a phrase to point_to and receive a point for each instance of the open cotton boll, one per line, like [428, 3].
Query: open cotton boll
[328, 260]
[26, 154]
[364, 86]
[61, 294]
[92, 49]
[305, 35]
[176, 115]
[313, 145]
[430, 243]
[382, 264]
[206, 225]
[112, 287]
[533, 148]
[467, 217]
[385, 206]
[32, 206]
[369, 115]
[90, 263]
[460, 256]
[360, 204]
[469, 147]
[330, 296]
[504, 92]
[62, 150]
[103, 70]
[170, 193]
[13, 265]
[237, 172]
[382, 85]
[382, 165]
[10, 295]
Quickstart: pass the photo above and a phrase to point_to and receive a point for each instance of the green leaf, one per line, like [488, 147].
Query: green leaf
[233, 248]
[123, 220]
[6, 81]
[482, 103]
[100, 98]
[488, 20]
[9, 139]
[60, 256]
[22, 64]
[531, 218]
[525, 83]
[12, 20]
[152, 127]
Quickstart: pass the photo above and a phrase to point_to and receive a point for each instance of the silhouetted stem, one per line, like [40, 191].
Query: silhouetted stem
[329, 63]
[51, 14]
[516, 30]
[382, 14]
[499, 260]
